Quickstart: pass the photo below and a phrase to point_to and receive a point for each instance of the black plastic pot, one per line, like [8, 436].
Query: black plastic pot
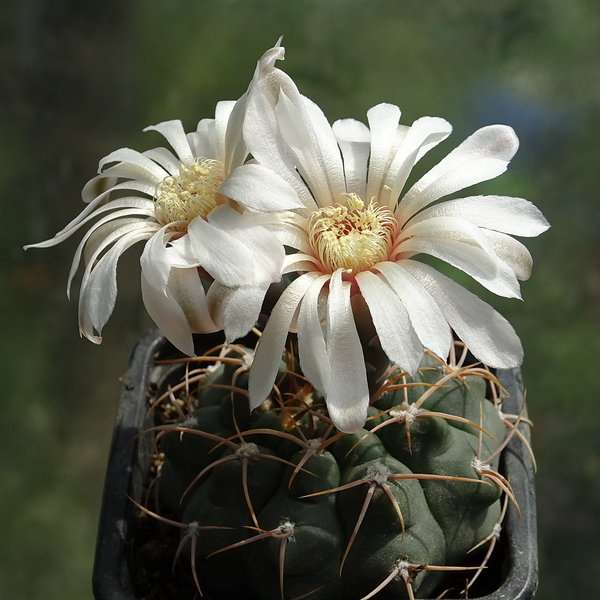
[130, 459]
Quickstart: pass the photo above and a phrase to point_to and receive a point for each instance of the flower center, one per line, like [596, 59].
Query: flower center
[190, 194]
[350, 236]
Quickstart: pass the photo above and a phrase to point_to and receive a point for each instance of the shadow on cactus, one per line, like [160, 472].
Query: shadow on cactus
[278, 504]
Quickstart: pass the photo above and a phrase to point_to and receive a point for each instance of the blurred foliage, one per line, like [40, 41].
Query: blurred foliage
[79, 79]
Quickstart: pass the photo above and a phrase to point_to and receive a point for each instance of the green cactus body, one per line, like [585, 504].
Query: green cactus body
[307, 512]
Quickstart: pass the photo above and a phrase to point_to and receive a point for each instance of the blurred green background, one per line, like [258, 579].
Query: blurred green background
[80, 79]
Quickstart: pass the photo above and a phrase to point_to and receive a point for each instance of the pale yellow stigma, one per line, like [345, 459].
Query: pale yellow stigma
[190, 194]
[350, 236]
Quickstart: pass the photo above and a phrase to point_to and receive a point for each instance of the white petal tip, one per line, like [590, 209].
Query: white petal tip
[256, 400]
[347, 420]
[349, 426]
[95, 339]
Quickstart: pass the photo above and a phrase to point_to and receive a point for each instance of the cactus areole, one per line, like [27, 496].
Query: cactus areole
[277, 503]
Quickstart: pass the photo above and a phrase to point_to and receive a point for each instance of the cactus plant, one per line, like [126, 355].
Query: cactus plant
[276, 503]
[320, 461]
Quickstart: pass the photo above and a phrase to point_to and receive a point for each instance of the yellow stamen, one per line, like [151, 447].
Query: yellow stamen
[350, 236]
[190, 194]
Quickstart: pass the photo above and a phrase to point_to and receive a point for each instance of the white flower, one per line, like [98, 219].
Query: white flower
[357, 235]
[171, 201]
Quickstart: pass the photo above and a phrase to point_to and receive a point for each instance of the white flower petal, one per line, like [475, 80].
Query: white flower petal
[327, 148]
[348, 394]
[354, 139]
[464, 246]
[133, 165]
[351, 131]
[299, 262]
[289, 234]
[100, 186]
[312, 349]
[386, 136]
[96, 236]
[165, 158]
[394, 329]
[242, 310]
[185, 286]
[222, 114]
[168, 316]
[272, 342]
[235, 151]
[260, 140]
[235, 310]
[489, 336]
[179, 309]
[301, 124]
[158, 258]
[260, 189]
[424, 134]
[482, 156]
[174, 134]
[131, 206]
[223, 256]
[472, 260]
[124, 228]
[264, 253]
[261, 133]
[514, 216]
[99, 287]
[313, 146]
[203, 141]
[425, 315]
[512, 252]
[267, 60]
